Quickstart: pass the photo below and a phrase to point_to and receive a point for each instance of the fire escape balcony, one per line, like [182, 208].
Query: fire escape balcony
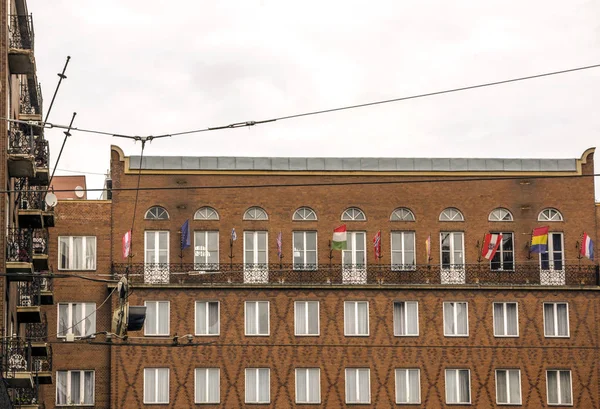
[21, 44]
[21, 153]
[31, 106]
[28, 302]
[39, 239]
[16, 363]
[42, 367]
[41, 154]
[19, 255]
[27, 398]
[46, 284]
[37, 335]
[30, 204]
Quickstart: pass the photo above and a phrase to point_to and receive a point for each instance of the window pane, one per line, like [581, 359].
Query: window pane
[201, 318]
[451, 386]
[549, 319]
[90, 320]
[552, 387]
[514, 386]
[201, 391]
[301, 318]
[77, 261]
[64, 252]
[363, 386]
[264, 386]
[412, 318]
[251, 327]
[77, 321]
[61, 388]
[63, 317]
[349, 318]
[301, 385]
[363, 318]
[313, 317]
[501, 390]
[163, 385]
[149, 385]
[449, 327]
[499, 319]
[251, 385]
[214, 387]
[464, 392]
[414, 387]
[563, 320]
[263, 319]
[88, 388]
[151, 316]
[213, 318]
[76, 387]
[565, 387]
[511, 319]
[461, 317]
[401, 390]
[163, 318]
[399, 322]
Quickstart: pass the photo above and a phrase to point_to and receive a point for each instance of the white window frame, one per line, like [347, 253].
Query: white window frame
[555, 323]
[402, 214]
[508, 370]
[255, 248]
[204, 265]
[357, 402]
[352, 236]
[196, 401]
[257, 319]
[551, 252]
[81, 388]
[206, 213]
[158, 216]
[405, 318]
[505, 319]
[550, 214]
[304, 214]
[500, 214]
[355, 310]
[451, 214]
[455, 317]
[305, 266]
[157, 249]
[308, 371]
[306, 318]
[207, 302]
[158, 303]
[558, 371]
[453, 263]
[398, 402]
[354, 214]
[457, 371]
[257, 384]
[155, 402]
[83, 256]
[500, 252]
[403, 266]
[256, 213]
[85, 315]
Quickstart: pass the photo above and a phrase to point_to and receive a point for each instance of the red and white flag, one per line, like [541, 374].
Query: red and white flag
[377, 244]
[126, 244]
[490, 245]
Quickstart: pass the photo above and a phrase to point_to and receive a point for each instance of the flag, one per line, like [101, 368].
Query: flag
[279, 253]
[338, 242]
[185, 235]
[233, 235]
[490, 245]
[539, 240]
[428, 248]
[377, 244]
[587, 246]
[126, 244]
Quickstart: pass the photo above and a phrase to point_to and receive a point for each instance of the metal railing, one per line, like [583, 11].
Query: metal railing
[26, 396]
[28, 294]
[272, 274]
[19, 245]
[39, 241]
[16, 356]
[42, 363]
[20, 142]
[30, 197]
[31, 98]
[37, 332]
[20, 32]
[41, 152]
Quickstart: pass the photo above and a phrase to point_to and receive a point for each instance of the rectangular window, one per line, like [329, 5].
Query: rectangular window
[305, 250]
[358, 385]
[74, 388]
[156, 385]
[356, 318]
[506, 319]
[258, 385]
[355, 254]
[206, 250]
[308, 385]
[207, 318]
[458, 386]
[559, 386]
[307, 317]
[456, 319]
[503, 260]
[452, 250]
[157, 318]
[77, 253]
[156, 257]
[257, 317]
[76, 318]
[406, 318]
[403, 250]
[508, 386]
[556, 319]
[408, 386]
[255, 249]
[553, 259]
[208, 388]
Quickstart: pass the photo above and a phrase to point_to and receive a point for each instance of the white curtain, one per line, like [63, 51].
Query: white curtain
[363, 386]
[149, 385]
[349, 318]
[412, 316]
[553, 387]
[263, 318]
[499, 319]
[461, 318]
[251, 381]
[77, 262]
[213, 318]
[90, 253]
[363, 318]
[565, 387]
[549, 319]
[162, 395]
[163, 317]
[563, 320]
[77, 315]
[201, 385]
[401, 389]
[301, 327]
[464, 392]
[64, 252]
[207, 385]
[88, 387]
[314, 388]
[302, 385]
[451, 386]
[251, 312]
[414, 387]
[313, 317]
[501, 390]
[76, 387]
[514, 386]
[63, 317]
[511, 319]
[201, 327]
[61, 388]
[150, 323]
[90, 321]
[449, 318]
[351, 392]
[399, 322]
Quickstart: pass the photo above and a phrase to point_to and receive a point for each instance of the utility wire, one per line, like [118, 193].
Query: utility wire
[61, 77]
[67, 134]
[89, 315]
[137, 192]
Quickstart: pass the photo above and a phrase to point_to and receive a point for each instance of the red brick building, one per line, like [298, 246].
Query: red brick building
[279, 322]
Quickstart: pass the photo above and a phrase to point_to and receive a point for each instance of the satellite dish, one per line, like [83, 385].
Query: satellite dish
[51, 200]
[79, 192]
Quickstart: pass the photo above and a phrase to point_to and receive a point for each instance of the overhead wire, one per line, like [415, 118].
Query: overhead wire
[88, 316]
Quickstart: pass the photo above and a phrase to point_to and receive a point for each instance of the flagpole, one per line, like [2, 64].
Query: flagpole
[230, 253]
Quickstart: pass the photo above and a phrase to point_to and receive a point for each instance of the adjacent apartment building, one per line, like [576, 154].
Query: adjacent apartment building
[247, 303]
[25, 278]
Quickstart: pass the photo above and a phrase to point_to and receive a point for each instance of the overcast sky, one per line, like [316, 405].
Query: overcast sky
[141, 67]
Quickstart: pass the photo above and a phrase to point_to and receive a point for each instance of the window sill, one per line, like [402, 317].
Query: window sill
[307, 335]
[207, 335]
[257, 335]
[406, 336]
[457, 336]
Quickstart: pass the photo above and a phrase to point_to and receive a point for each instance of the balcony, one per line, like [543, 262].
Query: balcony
[21, 153]
[372, 275]
[46, 284]
[41, 153]
[21, 44]
[30, 107]
[28, 302]
[39, 243]
[19, 255]
[26, 398]
[42, 366]
[30, 204]
[37, 334]
[16, 363]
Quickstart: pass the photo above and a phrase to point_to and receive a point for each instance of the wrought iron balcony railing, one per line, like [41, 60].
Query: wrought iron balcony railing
[28, 294]
[19, 246]
[41, 152]
[42, 363]
[273, 274]
[39, 242]
[26, 396]
[16, 356]
[20, 142]
[20, 31]
[37, 332]
[31, 98]
[30, 197]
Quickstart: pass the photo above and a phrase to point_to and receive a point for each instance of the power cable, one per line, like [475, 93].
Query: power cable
[89, 315]
[67, 134]
[137, 192]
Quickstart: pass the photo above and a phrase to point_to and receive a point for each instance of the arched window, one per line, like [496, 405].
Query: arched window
[402, 214]
[255, 213]
[206, 213]
[451, 214]
[157, 213]
[353, 214]
[304, 213]
[550, 215]
[500, 215]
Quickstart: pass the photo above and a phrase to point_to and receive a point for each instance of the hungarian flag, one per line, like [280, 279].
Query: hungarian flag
[126, 244]
[490, 245]
[587, 247]
[338, 242]
[377, 244]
